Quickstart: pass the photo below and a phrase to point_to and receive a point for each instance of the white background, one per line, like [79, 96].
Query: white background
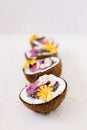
[68, 20]
[71, 114]
[52, 16]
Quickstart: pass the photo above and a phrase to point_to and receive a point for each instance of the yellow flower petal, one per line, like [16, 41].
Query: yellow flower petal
[50, 96]
[45, 93]
[51, 47]
[32, 61]
[29, 62]
[26, 65]
[33, 37]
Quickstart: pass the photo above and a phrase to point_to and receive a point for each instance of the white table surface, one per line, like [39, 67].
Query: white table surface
[72, 113]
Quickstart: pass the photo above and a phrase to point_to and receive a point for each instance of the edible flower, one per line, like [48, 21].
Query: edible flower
[29, 62]
[34, 52]
[33, 68]
[32, 88]
[33, 37]
[45, 93]
[51, 47]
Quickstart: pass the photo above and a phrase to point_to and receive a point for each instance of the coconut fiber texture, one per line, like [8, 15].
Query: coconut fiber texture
[48, 106]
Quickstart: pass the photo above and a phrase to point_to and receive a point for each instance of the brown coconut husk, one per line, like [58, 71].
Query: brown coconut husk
[48, 106]
[43, 56]
[56, 70]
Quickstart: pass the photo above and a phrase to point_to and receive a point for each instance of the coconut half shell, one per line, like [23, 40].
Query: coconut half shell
[49, 54]
[47, 106]
[55, 69]
[35, 43]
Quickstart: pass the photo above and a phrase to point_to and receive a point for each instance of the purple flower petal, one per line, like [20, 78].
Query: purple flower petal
[42, 40]
[34, 52]
[32, 87]
[33, 68]
[42, 62]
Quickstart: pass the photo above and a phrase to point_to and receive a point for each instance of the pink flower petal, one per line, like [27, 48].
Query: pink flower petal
[42, 40]
[42, 62]
[32, 87]
[33, 68]
[33, 52]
